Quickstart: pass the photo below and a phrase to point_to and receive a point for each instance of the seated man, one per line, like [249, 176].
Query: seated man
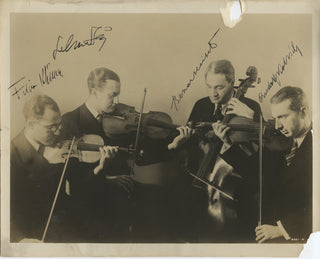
[104, 88]
[287, 175]
[220, 79]
[290, 214]
[34, 180]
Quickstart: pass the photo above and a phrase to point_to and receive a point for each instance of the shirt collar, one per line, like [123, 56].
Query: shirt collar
[223, 108]
[31, 141]
[92, 110]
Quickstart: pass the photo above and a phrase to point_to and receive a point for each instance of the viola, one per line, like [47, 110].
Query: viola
[85, 148]
[125, 119]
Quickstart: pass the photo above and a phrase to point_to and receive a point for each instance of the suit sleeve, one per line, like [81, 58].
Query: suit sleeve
[194, 116]
[17, 183]
[298, 220]
[69, 126]
[82, 178]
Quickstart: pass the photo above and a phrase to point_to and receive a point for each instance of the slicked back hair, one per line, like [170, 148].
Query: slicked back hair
[222, 66]
[35, 107]
[295, 94]
[99, 76]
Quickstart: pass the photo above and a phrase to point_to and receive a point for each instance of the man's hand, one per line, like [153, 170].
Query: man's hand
[123, 181]
[266, 232]
[221, 130]
[238, 108]
[107, 153]
[184, 133]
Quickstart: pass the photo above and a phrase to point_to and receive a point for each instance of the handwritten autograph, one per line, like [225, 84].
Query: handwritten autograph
[294, 48]
[76, 44]
[22, 87]
[177, 99]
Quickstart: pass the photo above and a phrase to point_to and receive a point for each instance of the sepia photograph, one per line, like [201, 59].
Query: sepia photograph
[142, 131]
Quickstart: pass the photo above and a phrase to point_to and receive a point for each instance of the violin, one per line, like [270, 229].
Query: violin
[125, 119]
[154, 128]
[85, 148]
[244, 130]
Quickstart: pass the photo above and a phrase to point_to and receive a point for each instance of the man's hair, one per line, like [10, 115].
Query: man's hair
[295, 94]
[221, 67]
[99, 76]
[34, 108]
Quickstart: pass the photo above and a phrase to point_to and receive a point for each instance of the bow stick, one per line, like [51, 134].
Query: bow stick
[58, 190]
[138, 128]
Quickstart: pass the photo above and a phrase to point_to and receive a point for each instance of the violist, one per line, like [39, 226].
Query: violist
[119, 200]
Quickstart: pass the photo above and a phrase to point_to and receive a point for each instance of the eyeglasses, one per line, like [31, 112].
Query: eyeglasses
[54, 128]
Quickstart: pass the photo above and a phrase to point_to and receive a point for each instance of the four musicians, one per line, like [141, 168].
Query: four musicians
[209, 191]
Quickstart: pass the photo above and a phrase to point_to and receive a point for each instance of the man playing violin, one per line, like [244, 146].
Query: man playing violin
[108, 200]
[220, 80]
[290, 208]
[34, 180]
[104, 88]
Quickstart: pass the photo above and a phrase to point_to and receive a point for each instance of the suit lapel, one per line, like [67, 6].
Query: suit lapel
[303, 151]
[88, 123]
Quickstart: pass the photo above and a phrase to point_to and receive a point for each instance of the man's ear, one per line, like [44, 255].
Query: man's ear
[304, 110]
[30, 124]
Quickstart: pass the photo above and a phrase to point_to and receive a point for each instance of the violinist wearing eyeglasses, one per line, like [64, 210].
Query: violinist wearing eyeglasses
[34, 180]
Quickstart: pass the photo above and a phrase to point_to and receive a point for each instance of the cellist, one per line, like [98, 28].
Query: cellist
[220, 79]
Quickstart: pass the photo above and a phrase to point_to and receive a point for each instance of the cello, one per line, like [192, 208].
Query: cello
[220, 179]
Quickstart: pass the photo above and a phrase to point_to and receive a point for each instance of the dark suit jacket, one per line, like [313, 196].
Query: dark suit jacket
[294, 192]
[79, 122]
[203, 110]
[245, 208]
[287, 190]
[33, 186]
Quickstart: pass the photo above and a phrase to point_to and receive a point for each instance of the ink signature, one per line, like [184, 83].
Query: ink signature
[177, 99]
[76, 44]
[294, 48]
[24, 86]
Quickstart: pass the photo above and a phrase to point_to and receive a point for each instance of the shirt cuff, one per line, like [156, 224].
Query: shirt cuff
[283, 231]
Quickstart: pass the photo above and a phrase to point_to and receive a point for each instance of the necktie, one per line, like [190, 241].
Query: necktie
[99, 118]
[41, 149]
[292, 153]
[218, 113]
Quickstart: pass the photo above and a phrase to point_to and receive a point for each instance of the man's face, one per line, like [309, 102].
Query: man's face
[290, 123]
[46, 130]
[106, 95]
[219, 89]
